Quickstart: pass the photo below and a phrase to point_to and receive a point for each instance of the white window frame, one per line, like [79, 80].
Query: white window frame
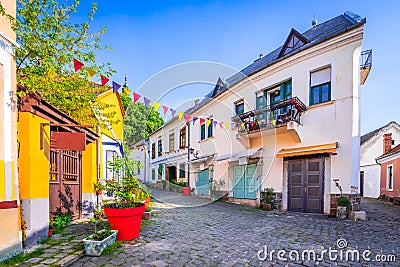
[389, 187]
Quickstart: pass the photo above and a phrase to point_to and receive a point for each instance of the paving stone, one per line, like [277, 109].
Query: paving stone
[34, 260]
[68, 260]
[49, 261]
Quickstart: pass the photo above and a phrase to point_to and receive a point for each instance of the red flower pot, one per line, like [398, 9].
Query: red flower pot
[186, 191]
[126, 220]
[50, 232]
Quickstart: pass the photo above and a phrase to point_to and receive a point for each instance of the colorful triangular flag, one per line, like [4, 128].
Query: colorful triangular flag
[127, 92]
[208, 122]
[91, 73]
[180, 115]
[165, 109]
[173, 111]
[104, 80]
[135, 97]
[221, 124]
[215, 123]
[194, 119]
[77, 65]
[227, 124]
[187, 117]
[115, 86]
[202, 121]
[146, 101]
[156, 105]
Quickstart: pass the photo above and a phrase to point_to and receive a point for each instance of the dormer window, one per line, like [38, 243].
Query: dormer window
[294, 41]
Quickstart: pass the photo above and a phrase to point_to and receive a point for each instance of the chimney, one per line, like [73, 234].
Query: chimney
[387, 142]
[196, 102]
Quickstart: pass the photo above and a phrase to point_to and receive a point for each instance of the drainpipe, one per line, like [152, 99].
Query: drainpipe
[188, 153]
[260, 181]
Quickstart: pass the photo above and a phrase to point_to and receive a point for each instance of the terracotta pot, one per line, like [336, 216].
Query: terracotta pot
[186, 191]
[126, 220]
[98, 192]
[146, 215]
[266, 206]
[146, 202]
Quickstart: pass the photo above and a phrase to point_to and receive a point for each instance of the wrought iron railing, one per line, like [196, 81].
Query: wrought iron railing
[269, 117]
[366, 58]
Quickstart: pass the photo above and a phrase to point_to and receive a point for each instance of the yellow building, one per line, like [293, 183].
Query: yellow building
[10, 234]
[111, 134]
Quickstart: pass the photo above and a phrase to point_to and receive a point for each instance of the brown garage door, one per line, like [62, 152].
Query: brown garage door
[306, 191]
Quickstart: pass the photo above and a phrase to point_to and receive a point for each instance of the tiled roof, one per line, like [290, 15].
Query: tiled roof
[390, 152]
[373, 133]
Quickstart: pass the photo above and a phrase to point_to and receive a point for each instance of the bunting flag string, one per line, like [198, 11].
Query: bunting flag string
[77, 65]
[180, 115]
[165, 109]
[146, 101]
[104, 80]
[115, 86]
[135, 97]
[91, 73]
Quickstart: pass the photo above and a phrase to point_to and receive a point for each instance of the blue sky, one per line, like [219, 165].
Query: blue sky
[149, 36]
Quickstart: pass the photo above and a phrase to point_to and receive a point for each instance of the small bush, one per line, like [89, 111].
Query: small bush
[343, 201]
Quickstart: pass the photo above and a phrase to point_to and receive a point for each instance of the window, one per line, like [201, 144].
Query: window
[160, 147]
[111, 155]
[239, 107]
[182, 138]
[203, 131]
[171, 142]
[153, 174]
[280, 93]
[153, 150]
[210, 128]
[389, 177]
[320, 86]
[182, 171]
[209, 125]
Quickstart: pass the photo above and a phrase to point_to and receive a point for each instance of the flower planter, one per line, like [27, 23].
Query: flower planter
[266, 206]
[50, 232]
[341, 213]
[186, 191]
[126, 220]
[146, 215]
[94, 248]
[146, 202]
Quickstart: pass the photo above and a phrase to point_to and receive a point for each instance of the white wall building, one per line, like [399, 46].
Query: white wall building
[295, 125]
[372, 148]
[139, 154]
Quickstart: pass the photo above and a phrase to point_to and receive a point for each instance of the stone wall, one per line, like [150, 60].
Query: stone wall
[355, 200]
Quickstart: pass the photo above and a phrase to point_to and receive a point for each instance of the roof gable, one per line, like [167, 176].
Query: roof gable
[369, 136]
[219, 87]
[294, 41]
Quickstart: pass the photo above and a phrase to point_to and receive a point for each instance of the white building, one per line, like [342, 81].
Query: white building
[371, 148]
[139, 154]
[295, 117]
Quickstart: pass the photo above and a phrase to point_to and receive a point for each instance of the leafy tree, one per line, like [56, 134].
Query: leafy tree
[126, 100]
[140, 121]
[49, 41]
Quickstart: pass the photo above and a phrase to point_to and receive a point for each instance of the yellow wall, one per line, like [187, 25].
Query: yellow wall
[110, 98]
[89, 168]
[33, 163]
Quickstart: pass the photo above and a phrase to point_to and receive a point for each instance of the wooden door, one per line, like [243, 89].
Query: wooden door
[203, 183]
[65, 183]
[305, 185]
[244, 181]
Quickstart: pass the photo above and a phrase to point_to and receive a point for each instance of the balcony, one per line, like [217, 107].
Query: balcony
[285, 113]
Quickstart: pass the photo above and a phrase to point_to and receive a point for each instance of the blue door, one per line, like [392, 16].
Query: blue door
[203, 183]
[244, 181]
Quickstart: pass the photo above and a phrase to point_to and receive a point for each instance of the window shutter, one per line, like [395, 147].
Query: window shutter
[321, 76]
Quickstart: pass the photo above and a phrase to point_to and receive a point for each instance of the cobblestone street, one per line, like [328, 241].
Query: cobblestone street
[190, 231]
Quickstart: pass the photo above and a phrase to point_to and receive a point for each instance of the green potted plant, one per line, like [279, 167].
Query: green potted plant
[102, 237]
[342, 203]
[267, 196]
[124, 212]
[98, 188]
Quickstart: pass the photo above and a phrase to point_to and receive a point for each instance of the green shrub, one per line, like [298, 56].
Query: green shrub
[343, 201]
